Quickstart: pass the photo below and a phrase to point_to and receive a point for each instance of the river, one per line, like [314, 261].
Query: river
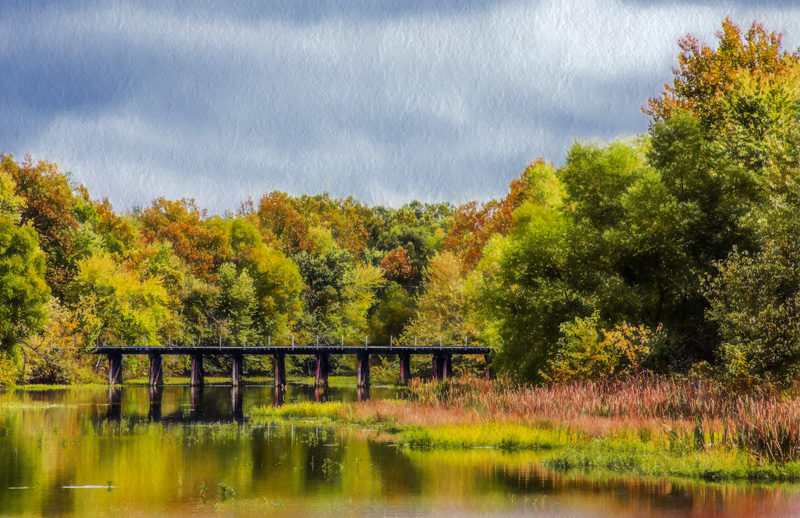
[95, 451]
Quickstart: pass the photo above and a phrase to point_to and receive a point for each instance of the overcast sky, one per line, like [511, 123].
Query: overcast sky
[387, 101]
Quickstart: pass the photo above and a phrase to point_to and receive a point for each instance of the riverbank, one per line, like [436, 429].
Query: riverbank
[649, 427]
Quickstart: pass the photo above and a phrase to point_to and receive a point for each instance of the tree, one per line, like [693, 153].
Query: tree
[24, 291]
[277, 280]
[182, 224]
[117, 303]
[472, 226]
[236, 305]
[442, 309]
[49, 206]
[755, 301]
[706, 77]
[280, 221]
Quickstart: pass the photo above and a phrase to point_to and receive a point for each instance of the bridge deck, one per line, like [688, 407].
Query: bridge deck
[305, 349]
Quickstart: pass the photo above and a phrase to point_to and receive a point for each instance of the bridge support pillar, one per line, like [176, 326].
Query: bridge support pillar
[488, 361]
[197, 370]
[405, 368]
[447, 365]
[280, 370]
[236, 369]
[323, 363]
[115, 369]
[362, 372]
[156, 372]
[436, 364]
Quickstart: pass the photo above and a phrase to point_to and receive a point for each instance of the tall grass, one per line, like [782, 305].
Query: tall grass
[765, 425]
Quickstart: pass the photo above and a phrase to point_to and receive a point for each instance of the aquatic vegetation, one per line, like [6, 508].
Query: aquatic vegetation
[649, 426]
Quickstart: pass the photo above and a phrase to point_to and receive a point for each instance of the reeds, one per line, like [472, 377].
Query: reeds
[690, 410]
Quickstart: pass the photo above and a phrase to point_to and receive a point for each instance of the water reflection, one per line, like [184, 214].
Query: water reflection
[114, 412]
[169, 450]
[236, 404]
[196, 400]
[156, 394]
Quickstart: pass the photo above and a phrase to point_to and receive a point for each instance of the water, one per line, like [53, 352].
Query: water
[100, 452]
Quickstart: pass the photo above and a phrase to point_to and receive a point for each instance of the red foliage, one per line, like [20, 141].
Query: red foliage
[397, 266]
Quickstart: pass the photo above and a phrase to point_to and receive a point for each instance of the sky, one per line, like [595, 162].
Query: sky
[385, 101]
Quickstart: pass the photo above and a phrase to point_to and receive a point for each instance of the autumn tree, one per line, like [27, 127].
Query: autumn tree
[706, 77]
[182, 224]
[279, 219]
[472, 225]
[49, 206]
[442, 308]
[120, 305]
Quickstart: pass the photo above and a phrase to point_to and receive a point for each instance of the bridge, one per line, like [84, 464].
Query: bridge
[441, 358]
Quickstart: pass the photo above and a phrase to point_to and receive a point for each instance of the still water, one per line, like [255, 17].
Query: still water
[100, 452]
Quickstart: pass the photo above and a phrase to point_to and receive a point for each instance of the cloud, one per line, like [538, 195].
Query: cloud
[381, 101]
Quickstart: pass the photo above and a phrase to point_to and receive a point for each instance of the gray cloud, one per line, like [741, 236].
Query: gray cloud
[381, 101]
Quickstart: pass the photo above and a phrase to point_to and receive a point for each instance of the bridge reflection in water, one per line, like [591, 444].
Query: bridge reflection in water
[212, 404]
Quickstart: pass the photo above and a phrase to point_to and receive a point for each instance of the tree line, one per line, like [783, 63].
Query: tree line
[672, 251]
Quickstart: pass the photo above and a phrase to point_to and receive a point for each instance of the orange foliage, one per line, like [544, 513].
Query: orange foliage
[180, 223]
[346, 219]
[474, 225]
[704, 75]
[277, 217]
[49, 206]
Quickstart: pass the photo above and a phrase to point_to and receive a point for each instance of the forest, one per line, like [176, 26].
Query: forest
[672, 252]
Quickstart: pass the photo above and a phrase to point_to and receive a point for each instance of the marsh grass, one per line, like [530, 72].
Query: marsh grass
[650, 426]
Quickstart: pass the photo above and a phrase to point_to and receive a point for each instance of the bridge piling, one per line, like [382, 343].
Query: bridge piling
[362, 371]
[436, 364]
[114, 368]
[405, 368]
[488, 361]
[323, 364]
[156, 374]
[447, 365]
[236, 369]
[280, 370]
[197, 370]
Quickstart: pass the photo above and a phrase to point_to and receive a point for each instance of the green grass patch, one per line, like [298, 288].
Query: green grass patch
[333, 381]
[303, 410]
[653, 459]
[502, 436]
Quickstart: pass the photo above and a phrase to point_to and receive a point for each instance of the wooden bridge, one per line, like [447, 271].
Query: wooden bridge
[441, 360]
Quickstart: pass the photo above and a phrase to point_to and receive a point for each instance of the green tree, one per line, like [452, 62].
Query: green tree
[121, 306]
[236, 305]
[755, 301]
[24, 291]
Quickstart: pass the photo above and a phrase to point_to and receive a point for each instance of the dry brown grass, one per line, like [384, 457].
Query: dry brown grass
[765, 425]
